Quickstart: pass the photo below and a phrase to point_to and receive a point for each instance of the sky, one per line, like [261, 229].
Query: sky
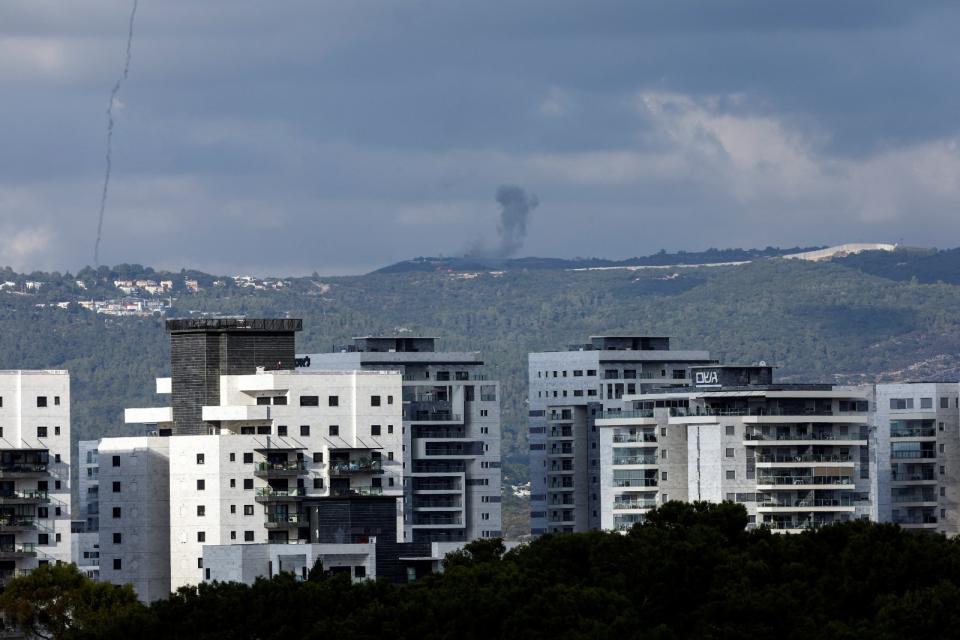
[293, 136]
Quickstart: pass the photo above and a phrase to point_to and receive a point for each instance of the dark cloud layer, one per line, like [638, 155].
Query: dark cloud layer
[297, 135]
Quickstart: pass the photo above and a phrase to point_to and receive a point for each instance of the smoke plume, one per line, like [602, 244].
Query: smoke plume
[113, 99]
[515, 207]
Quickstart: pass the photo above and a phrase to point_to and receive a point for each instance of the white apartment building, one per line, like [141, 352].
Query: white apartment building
[285, 441]
[34, 470]
[918, 456]
[796, 456]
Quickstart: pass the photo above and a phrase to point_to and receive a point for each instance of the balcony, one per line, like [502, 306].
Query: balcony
[10, 574]
[622, 415]
[916, 521]
[356, 492]
[914, 432]
[913, 455]
[629, 460]
[355, 467]
[24, 497]
[626, 504]
[269, 494]
[635, 482]
[797, 525]
[850, 439]
[15, 551]
[437, 486]
[26, 470]
[650, 438]
[280, 469]
[845, 504]
[17, 523]
[281, 521]
[824, 482]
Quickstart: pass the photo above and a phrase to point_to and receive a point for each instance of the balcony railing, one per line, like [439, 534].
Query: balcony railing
[278, 520]
[357, 491]
[820, 502]
[634, 504]
[280, 467]
[24, 468]
[635, 482]
[39, 496]
[804, 480]
[914, 432]
[912, 477]
[798, 524]
[921, 519]
[18, 523]
[917, 497]
[819, 437]
[268, 492]
[912, 455]
[27, 549]
[635, 460]
[635, 437]
[363, 466]
[633, 413]
[809, 457]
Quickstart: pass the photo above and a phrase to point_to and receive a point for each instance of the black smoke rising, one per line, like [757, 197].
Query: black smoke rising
[113, 98]
[515, 207]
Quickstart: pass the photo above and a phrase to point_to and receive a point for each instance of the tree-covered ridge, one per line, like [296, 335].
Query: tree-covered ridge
[692, 571]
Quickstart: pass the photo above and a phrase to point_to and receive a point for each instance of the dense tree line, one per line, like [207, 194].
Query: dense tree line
[692, 571]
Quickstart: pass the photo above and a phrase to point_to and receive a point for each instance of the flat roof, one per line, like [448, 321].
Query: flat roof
[234, 323]
[735, 366]
[398, 337]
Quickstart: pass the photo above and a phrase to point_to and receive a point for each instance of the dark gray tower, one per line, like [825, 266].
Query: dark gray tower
[203, 349]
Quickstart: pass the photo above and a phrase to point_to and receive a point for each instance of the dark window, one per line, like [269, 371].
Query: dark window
[318, 457]
[56, 431]
[389, 399]
[248, 509]
[280, 400]
[333, 401]
[117, 538]
[116, 512]
[248, 536]
[264, 430]
[41, 432]
[389, 428]
[56, 400]
[116, 461]
[318, 483]
[248, 483]
[201, 485]
[374, 429]
[359, 571]
[233, 483]
[117, 564]
[374, 401]
[200, 458]
[201, 536]
[248, 458]
[201, 510]
[233, 457]
[206, 574]
[116, 486]
[281, 430]
[43, 538]
[262, 400]
[233, 507]
[309, 401]
[305, 430]
[334, 430]
[233, 535]
[41, 401]
[199, 563]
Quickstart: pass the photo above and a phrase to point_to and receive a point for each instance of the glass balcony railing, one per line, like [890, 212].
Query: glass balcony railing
[910, 455]
[804, 480]
[635, 482]
[357, 491]
[914, 432]
[808, 457]
[634, 504]
[623, 460]
[269, 492]
[816, 436]
[267, 467]
[635, 437]
[361, 466]
[630, 413]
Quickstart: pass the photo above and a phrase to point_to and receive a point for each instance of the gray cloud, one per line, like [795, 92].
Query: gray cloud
[515, 206]
[264, 137]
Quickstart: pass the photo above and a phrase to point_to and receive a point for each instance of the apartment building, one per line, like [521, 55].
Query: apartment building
[567, 391]
[918, 456]
[86, 539]
[35, 503]
[797, 456]
[450, 430]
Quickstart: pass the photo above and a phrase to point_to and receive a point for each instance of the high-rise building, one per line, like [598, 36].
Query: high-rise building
[797, 456]
[86, 539]
[918, 456]
[567, 390]
[35, 526]
[451, 434]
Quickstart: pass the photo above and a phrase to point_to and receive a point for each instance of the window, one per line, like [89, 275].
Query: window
[248, 536]
[41, 432]
[117, 538]
[201, 536]
[233, 508]
[901, 403]
[374, 401]
[262, 400]
[389, 399]
[318, 457]
[117, 564]
[663, 476]
[729, 452]
[248, 509]
[233, 457]
[389, 429]
[281, 430]
[304, 430]
[56, 456]
[248, 458]
[483, 412]
[41, 401]
[731, 430]
[663, 431]
[940, 427]
[247, 431]
[578, 373]
[199, 563]
[374, 429]
[333, 401]
[944, 403]
[731, 475]
[116, 512]
[359, 571]
[200, 458]
[43, 538]
[926, 403]
[201, 510]
[280, 400]
[943, 491]
[389, 455]
[116, 461]
[334, 430]
[318, 483]
[56, 401]
[663, 454]
[248, 484]
[943, 469]
[591, 372]
[116, 486]
[206, 574]
[309, 401]
[233, 483]
[201, 485]
[233, 535]
[56, 431]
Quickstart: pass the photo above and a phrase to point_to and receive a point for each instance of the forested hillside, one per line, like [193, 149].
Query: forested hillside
[820, 321]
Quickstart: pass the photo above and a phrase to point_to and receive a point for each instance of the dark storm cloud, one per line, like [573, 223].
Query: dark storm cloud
[268, 137]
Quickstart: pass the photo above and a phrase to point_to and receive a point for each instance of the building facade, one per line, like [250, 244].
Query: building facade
[451, 434]
[35, 503]
[567, 391]
[918, 456]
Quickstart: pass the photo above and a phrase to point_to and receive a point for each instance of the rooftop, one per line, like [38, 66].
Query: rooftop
[234, 323]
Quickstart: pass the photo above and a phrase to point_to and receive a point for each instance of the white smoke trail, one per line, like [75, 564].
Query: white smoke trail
[113, 98]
